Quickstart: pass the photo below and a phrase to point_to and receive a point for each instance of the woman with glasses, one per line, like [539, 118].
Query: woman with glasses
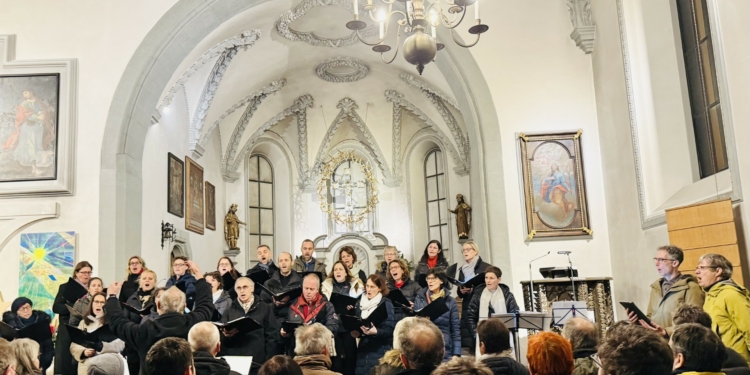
[449, 323]
[390, 253]
[64, 363]
[341, 281]
[727, 303]
[472, 267]
[136, 265]
[94, 319]
[398, 278]
[21, 315]
[95, 286]
[183, 279]
[229, 274]
[374, 341]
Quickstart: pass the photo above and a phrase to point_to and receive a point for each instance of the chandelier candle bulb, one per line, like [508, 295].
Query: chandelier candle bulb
[356, 7]
[434, 33]
[382, 29]
[476, 10]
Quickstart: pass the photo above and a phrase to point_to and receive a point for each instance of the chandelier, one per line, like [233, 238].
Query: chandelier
[419, 20]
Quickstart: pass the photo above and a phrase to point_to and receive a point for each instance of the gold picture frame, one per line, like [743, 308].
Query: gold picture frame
[194, 198]
[210, 206]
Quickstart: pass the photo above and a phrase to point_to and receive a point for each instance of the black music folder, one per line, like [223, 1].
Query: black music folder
[293, 293]
[38, 331]
[353, 323]
[74, 291]
[144, 311]
[89, 340]
[242, 325]
[340, 303]
[258, 276]
[398, 298]
[434, 310]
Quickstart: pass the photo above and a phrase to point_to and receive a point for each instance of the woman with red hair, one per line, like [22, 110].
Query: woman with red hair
[549, 354]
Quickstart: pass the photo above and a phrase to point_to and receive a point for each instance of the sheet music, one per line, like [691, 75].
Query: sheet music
[240, 364]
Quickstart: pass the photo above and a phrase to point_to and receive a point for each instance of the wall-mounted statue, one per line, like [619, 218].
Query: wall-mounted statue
[463, 217]
[232, 227]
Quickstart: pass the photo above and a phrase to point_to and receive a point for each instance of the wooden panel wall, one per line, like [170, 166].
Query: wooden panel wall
[705, 228]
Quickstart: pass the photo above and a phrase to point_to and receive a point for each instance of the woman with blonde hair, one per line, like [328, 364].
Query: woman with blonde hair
[26, 352]
[136, 266]
[474, 266]
[390, 253]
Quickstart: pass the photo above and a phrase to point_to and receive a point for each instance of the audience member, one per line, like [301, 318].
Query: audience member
[630, 349]
[136, 265]
[550, 354]
[449, 323]
[169, 356]
[463, 366]
[431, 258]
[107, 364]
[348, 256]
[726, 302]
[27, 356]
[280, 365]
[390, 253]
[221, 298]
[473, 266]
[183, 279]
[313, 349]
[7, 359]
[64, 363]
[306, 262]
[488, 299]
[374, 340]
[697, 350]
[21, 315]
[391, 363]
[584, 338]
[205, 343]
[171, 322]
[421, 345]
[94, 318]
[341, 281]
[310, 307]
[494, 348]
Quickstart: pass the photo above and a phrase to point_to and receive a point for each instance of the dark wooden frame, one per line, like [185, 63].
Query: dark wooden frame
[191, 168]
[535, 226]
[179, 211]
[210, 203]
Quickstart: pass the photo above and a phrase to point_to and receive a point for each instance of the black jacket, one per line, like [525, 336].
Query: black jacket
[129, 287]
[64, 362]
[261, 343]
[46, 347]
[186, 283]
[206, 364]
[272, 270]
[134, 301]
[409, 290]
[173, 324]
[372, 348]
[466, 333]
[423, 268]
[504, 366]
[472, 313]
[280, 312]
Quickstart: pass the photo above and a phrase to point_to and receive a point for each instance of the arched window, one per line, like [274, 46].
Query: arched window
[349, 195]
[437, 209]
[260, 223]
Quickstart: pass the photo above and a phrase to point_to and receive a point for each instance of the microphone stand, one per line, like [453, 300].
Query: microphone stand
[531, 281]
[570, 273]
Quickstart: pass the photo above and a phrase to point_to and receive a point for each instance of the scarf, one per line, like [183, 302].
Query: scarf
[308, 311]
[248, 305]
[27, 322]
[266, 267]
[432, 262]
[367, 306]
[468, 268]
[492, 303]
[143, 296]
[435, 296]
[217, 295]
[399, 283]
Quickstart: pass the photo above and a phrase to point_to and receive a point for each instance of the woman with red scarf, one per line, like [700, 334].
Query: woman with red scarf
[432, 258]
[399, 278]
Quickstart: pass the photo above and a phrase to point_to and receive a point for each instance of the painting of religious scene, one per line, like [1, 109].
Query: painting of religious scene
[554, 185]
[28, 127]
[47, 260]
[210, 206]
[194, 199]
[175, 186]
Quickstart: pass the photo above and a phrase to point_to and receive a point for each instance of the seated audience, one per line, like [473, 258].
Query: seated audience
[463, 366]
[449, 323]
[313, 349]
[306, 262]
[259, 343]
[473, 266]
[169, 356]
[584, 338]
[374, 341]
[491, 298]
[221, 298]
[391, 363]
[310, 307]
[696, 350]
[22, 314]
[630, 349]
[82, 305]
[280, 365]
[399, 278]
[94, 318]
[108, 364]
[171, 322]
[205, 343]
[726, 302]
[136, 265]
[7, 359]
[265, 263]
[26, 352]
[494, 349]
[349, 258]
[341, 281]
[390, 253]
[550, 354]
[421, 345]
[183, 279]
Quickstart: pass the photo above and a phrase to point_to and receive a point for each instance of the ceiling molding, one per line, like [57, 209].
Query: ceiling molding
[286, 18]
[323, 69]
[424, 86]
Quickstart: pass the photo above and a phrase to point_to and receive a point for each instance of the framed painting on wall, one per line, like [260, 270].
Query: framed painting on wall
[554, 185]
[194, 199]
[175, 185]
[210, 206]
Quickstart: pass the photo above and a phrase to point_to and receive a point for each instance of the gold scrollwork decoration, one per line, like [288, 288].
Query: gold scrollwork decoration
[328, 169]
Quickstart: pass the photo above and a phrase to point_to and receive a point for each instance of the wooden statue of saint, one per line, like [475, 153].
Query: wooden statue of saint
[232, 227]
[463, 217]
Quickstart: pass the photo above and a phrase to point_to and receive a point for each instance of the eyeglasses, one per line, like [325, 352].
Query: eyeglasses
[467, 250]
[703, 268]
[431, 278]
[179, 265]
[135, 263]
[24, 307]
[662, 260]
[85, 273]
[595, 357]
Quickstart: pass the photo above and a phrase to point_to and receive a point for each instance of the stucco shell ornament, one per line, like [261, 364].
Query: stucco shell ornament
[342, 69]
[286, 18]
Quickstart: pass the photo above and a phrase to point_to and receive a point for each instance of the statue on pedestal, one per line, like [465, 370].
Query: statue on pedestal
[463, 217]
[232, 227]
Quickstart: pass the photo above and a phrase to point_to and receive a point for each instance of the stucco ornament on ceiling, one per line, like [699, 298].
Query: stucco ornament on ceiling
[286, 18]
[335, 70]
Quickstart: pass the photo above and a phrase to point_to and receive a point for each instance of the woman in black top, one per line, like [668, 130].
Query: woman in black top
[136, 265]
[63, 359]
[398, 279]
[432, 258]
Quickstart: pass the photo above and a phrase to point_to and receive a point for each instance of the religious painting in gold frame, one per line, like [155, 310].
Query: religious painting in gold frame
[194, 198]
[210, 206]
[554, 185]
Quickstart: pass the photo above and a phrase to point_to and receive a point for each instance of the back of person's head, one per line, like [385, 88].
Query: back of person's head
[463, 366]
[26, 352]
[697, 348]
[280, 365]
[313, 339]
[171, 300]
[169, 356]
[550, 354]
[630, 349]
[397, 331]
[7, 359]
[691, 314]
[581, 333]
[421, 343]
[493, 335]
[106, 364]
[204, 337]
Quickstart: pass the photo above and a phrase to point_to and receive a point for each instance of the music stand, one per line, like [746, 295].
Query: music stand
[528, 320]
[563, 311]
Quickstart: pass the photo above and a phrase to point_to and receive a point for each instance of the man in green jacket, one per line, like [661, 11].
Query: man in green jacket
[670, 291]
[727, 303]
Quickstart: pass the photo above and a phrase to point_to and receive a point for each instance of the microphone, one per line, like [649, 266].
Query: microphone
[564, 252]
[531, 280]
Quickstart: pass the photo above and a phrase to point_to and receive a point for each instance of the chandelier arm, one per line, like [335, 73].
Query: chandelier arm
[385, 34]
[453, 35]
[449, 24]
[398, 46]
